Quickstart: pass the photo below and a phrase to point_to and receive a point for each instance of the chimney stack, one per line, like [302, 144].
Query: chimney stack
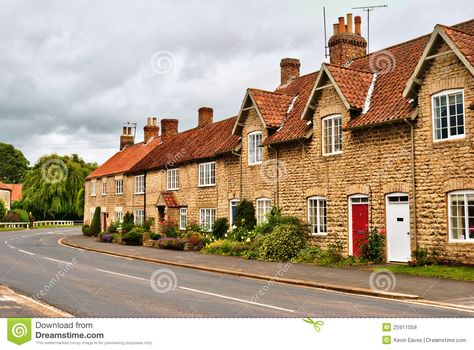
[290, 68]
[345, 44]
[126, 139]
[151, 129]
[169, 127]
[205, 116]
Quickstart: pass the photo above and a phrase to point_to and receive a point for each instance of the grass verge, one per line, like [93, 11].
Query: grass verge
[441, 271]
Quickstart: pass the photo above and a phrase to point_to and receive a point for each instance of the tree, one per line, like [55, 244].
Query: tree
[245, 215]
[94, 228]
[3, 210]
[53, 187]
[128, 222]
[14, 164]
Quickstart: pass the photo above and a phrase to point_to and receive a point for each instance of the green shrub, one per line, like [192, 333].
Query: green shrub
[220, 228]
[276, 218]
[420, 257]
[335, 251]
[113, 227]
[245, 215]
[169, 227]
[85, 230]
[155, 236]
[94, 228]
[148, 223]
[283, 243]
[23, 215]
[128, 222]
[3, 210]
[310, 254]
[226, 247]
[372, 249]
[171, 243]
[134, 236]
[241, 234]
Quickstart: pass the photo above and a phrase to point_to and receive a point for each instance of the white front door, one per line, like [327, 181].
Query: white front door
[398, 228]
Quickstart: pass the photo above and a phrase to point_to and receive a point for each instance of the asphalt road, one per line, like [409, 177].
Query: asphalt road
[88, 284]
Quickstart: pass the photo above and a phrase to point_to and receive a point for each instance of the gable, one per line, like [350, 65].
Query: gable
[457, 43]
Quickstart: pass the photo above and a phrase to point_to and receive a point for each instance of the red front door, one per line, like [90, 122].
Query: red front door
[360, 222]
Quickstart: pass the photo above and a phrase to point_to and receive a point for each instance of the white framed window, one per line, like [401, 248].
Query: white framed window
[461, 216]
[118, 216]
[207, 174]
[264, 206]
[317, 215]
[139, 184]
[207, 217]
[139, 216]
[255, 147]
[119, 186]
[448, 115]
[183, 218]
[93, 188]
[332, 135]
[172, 179]
[104, 188]
[233, 211]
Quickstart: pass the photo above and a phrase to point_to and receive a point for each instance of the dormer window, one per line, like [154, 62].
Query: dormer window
[255, 147]
[448, 115]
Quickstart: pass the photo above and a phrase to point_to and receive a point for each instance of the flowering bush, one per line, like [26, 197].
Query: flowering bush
[106, 237]
[169, 227]
[241, 235]
[372, 247]
[171, 243]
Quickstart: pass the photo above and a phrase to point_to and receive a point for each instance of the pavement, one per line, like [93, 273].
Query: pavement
[13, 304]
[85, 283]
[354, 279]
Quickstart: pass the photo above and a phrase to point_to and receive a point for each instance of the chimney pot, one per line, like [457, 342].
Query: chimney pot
[126, 139]
[349, 22]
[335, 28]
[289, 69]
[357, 20]
[150, 130]
[342, 26]
[169, 127]
[205, 116]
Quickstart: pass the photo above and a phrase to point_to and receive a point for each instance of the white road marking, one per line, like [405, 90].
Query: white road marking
[236, 299]
[24, 251]
[121, 274]
[59, 261]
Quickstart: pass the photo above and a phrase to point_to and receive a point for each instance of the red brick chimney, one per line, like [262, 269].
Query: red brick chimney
[151, 129]
[289, 69]
[205, 116]
[127, 138]
[169, 127]
[345, 44]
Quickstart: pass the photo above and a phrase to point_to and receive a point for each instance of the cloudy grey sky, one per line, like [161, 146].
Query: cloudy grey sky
[73, 71]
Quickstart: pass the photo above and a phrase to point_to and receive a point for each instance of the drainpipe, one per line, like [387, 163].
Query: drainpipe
[413, 182]
[240, 175]
[144, 197]
[277, 199]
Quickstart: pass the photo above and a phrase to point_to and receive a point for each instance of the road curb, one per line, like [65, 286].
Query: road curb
[334, 287]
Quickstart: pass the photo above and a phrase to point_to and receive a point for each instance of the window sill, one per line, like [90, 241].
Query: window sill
[461, 241]
[139, 193]
[93, 195]
[318, 234]
[254, 164]
[172, 189]
[332, 154]
[450, 139]
[119, 194]
[204, 186]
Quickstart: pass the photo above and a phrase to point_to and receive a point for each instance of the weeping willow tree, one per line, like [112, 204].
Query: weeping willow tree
[54, 187]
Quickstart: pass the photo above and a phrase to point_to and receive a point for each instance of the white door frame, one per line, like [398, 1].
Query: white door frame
[349, 204]
[387, 205]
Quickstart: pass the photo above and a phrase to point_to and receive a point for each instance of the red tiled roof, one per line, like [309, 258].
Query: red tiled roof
[272, 106]
[125, 159]
[5, 187]
[353, 83]
[464, 42]
[169, 199]
[293, 126]
[194, 144]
